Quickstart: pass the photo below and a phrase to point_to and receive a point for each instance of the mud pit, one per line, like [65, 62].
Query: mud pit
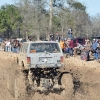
[85, 76]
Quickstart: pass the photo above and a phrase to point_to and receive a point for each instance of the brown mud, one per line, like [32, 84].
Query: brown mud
[86, 79]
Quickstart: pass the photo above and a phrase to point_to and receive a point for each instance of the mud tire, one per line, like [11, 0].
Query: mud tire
[67, 83]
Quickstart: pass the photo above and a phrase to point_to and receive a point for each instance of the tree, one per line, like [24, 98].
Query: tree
[95, 25]
[33, 14]
[38, 19]
[10, 19]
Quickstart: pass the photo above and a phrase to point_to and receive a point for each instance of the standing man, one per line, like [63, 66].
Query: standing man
[71, 47]
[70, 33]
[95, 44]
[57, 37]
[62, 44]
[51, 37]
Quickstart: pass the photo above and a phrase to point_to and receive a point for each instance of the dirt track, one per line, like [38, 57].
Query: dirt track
[85, 74]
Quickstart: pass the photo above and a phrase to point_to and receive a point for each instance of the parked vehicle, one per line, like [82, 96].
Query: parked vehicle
[96, 37]
[78, 40]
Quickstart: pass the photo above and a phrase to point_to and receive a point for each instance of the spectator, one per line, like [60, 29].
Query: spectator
[62, 44]
[8, 45]
[79, 47]
[66, 50]
[71, 47]
[14, 46]
[87, 46]
[3, 45]
[17, 46]
[51, 37]
[70, 33]
[95, 44]
[57, 37]
[98, 53]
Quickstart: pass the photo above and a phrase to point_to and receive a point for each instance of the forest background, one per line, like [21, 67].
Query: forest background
[37, 19]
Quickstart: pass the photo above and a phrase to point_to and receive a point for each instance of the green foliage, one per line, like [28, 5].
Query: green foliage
[79, 6]
[56, 21]
[76, 5]
[33, 17]
[10, 19]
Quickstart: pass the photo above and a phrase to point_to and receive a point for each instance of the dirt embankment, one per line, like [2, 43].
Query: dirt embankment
[85, 74]
[6, 67]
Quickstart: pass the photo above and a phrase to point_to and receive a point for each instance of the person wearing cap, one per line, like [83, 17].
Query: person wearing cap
[69, 33]
[98, 52]
[95, 44]
[57, 37]
[87, 46]
[79, 47]
[94, 39]
[51, 37]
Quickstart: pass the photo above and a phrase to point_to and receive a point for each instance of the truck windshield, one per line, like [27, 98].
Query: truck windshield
[44, 47]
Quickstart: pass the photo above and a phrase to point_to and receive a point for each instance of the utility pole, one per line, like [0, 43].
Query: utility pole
[50, 20]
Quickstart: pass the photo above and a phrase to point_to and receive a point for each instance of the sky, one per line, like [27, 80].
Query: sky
[93, 6]
[3, 2]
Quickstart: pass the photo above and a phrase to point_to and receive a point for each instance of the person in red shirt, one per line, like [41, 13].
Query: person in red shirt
[71, 47]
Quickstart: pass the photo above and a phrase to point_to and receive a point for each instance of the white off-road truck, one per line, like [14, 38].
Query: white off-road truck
[42, 63]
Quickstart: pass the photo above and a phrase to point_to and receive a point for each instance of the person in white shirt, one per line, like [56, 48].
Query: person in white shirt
[79, 47]
[8, 45]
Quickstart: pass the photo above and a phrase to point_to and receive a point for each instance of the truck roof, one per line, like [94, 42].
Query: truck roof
[40, 42]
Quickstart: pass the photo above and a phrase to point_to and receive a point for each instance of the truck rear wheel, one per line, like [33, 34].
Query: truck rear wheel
[67, 83]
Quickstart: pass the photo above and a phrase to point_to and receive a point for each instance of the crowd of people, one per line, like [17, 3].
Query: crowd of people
[90, 48]
[10, 45]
